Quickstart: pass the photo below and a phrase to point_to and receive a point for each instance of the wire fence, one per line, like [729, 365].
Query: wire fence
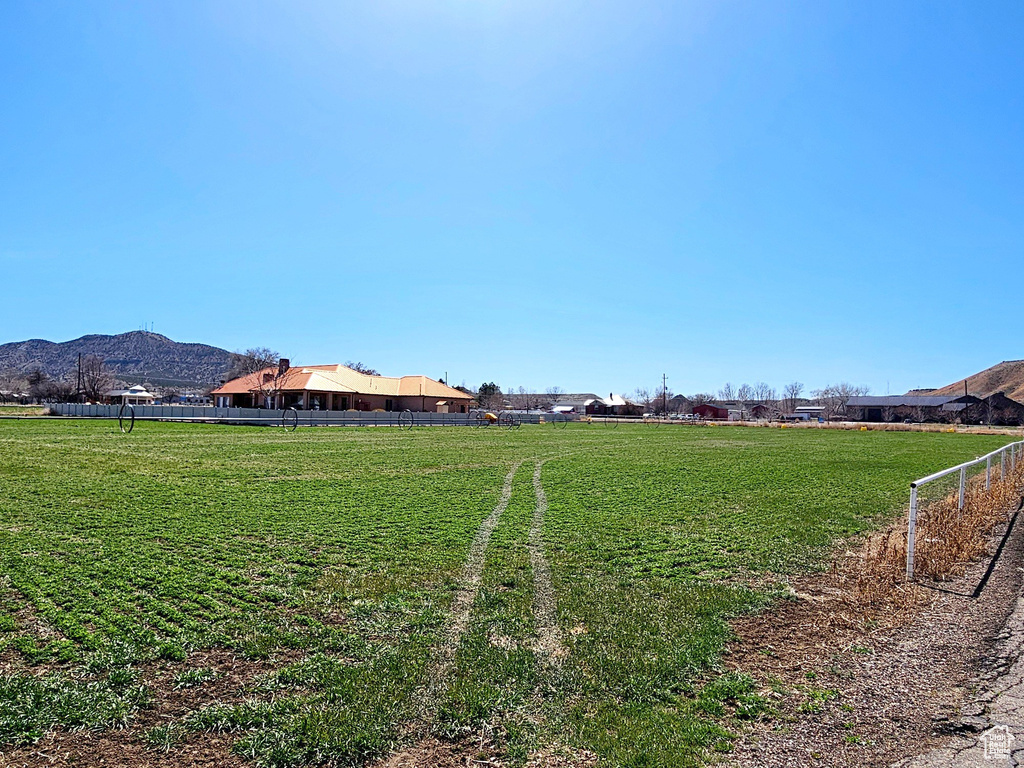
[958, 486]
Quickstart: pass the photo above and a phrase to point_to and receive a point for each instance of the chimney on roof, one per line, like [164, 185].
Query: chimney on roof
[283, 365]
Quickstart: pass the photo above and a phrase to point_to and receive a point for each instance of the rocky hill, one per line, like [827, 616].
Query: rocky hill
[1006, 377]
[135, 357]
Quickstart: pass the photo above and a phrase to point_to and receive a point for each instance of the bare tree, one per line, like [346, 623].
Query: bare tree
[520, 399]
[764, 393]
[726, 392]
[834, 397]
[251, 361]
[745, 393]
[644, 397]
[267, 370]
[38, 382]
[701, 397]
[96, 379]
[791, 393]
[554, 394]
[357, 366]
[46, 390]
[768, 399]
[12, 384]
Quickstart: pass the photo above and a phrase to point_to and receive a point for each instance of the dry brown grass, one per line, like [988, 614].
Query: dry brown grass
[858, 426]
[947, 539]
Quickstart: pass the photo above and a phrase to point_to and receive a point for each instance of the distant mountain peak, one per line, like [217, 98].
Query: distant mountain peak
[133, 356]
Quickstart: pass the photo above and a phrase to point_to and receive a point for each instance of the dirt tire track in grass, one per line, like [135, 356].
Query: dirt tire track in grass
[545, 605]
[444, 655]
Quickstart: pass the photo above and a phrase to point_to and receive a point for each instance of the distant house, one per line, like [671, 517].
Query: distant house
[918, 408]
[607, 406]
[807, 413]
[760, 411]
[339, 388]
[680, 404]
[1002, 411]
[711, 411]
[192, 398]
[575, 403]
[12, 396]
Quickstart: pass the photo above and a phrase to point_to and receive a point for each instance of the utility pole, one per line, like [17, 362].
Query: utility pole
[664, 395]
[78, 391]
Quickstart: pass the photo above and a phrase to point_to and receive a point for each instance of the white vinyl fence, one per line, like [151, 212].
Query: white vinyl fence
[254, 416]
[1007, 457]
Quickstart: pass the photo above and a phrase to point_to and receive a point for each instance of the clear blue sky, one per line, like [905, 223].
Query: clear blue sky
[581, 194]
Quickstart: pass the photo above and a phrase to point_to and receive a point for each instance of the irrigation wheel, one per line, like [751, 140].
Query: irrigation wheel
[405, 419]
[126, 418]
[290, 419]
[509, 420]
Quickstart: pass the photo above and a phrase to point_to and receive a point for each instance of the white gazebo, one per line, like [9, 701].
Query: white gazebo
[136, 395]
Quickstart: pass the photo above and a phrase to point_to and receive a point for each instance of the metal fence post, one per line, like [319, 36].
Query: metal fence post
[1002, 466]
[963, 486]
[988, 472]
[911, 525]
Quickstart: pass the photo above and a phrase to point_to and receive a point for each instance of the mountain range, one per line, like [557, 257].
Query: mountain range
[139, 357]
[136, 357]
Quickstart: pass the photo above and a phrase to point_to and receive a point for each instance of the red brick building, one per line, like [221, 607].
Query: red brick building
[711, 411]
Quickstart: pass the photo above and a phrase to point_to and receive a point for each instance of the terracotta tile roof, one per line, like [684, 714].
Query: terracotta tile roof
[340, 378]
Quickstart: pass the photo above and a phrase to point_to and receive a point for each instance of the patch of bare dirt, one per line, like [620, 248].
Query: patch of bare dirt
[480, 753]
[112, 748]
[231, 675]
[434, 753]
[127, 747]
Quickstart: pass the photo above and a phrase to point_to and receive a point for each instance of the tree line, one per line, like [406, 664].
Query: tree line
[89, 381]
[832, 398]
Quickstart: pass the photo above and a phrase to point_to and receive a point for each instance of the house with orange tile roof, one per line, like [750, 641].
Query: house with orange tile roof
[338, 388]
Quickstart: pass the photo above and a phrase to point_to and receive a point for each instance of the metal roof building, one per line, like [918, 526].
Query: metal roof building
[339, 388]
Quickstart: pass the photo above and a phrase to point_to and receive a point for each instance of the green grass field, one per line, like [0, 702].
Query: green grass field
[340, 552]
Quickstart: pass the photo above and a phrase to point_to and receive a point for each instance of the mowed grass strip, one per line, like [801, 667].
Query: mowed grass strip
[344, 547]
